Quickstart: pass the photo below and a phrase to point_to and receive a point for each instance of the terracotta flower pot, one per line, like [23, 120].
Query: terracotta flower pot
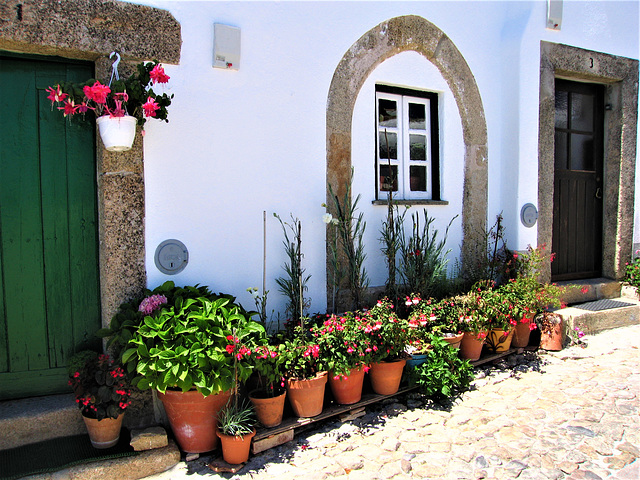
[454, 340]
[499, 340]
[522, 332]
[268, 409]
[104, 433]
[385, 376]
[471, 346]
[347, 389]
[552, 335]
[194, 418]
[306, 396]
[235, 449]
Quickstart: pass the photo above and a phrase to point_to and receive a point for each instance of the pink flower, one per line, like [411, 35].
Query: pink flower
[151, 304]
[69, 108]
[230, 348]
[56, 95]
[97, 92]
[157, 75]
[150, 107]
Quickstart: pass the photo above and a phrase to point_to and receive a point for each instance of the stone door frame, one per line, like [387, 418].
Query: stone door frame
[620, 76]
[90, 30]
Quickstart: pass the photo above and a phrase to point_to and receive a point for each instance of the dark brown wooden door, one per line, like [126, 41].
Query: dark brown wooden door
[578, 192]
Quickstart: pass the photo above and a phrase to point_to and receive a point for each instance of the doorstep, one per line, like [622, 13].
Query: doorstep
[589, 290]
[604, 314]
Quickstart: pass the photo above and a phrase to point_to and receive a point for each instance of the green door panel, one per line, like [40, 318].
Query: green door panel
[50, 303]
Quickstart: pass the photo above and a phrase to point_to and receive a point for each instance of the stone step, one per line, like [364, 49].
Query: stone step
[604, 314]
[35, 419]
[589, 290]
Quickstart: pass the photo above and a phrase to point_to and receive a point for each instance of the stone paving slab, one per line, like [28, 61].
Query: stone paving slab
[571, 415]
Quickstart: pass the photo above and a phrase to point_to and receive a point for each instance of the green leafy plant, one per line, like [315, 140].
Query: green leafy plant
[270, 366]
[100, 385]
[193, 343]
[350, 247]
[443, 374]
[301, 355]
[294, 285]
[423, 262]
[632, 272]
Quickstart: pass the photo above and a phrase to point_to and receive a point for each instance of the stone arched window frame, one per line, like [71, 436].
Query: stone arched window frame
[400, 34]
[90, 30]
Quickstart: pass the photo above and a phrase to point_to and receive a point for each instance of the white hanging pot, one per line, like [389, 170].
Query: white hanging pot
[117, 133]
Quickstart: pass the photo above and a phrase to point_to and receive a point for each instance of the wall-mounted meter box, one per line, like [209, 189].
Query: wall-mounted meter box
[226, 46]
[171, 257]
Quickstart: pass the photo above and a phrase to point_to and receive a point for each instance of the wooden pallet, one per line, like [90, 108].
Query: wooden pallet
[267, 438]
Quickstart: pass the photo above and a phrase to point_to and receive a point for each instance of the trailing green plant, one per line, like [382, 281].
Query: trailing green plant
[350, 247]
[193, 343]
[443, 374]
[294, 285]
[237, 418]
[423, 258]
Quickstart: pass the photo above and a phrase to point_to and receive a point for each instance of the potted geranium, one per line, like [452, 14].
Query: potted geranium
[268, 399]
[500, 320]
[119, 105]
[387, 337]
[474, 325]
[187, 350]
[102, 394]
[441, 317]
[305, 374]
[343, 349]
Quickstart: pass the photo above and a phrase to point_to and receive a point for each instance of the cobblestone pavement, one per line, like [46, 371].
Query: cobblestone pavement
[566, 415]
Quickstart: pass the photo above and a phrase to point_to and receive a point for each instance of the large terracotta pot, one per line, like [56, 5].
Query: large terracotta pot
[347, 389]
[498, 340]
[471, 346]
[454, 340]
[235, 449]
[194, 418]
[522, 332]
[269, 410]
[306, 396]
[385, 376]
[104, 433]
[552, 334]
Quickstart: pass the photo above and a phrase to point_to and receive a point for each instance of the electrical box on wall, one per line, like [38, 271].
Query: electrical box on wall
[554, 14]
[226, 46]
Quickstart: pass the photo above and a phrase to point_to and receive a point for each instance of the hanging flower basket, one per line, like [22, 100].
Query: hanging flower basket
[117, 133]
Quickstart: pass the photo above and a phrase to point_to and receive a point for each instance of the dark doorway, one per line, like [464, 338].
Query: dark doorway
[578, 192]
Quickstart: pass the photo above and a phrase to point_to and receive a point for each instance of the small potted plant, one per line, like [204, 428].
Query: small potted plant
[102, 394]
[343, 348]
[305, 373]
[442, 318]
[387, 337]
[118, 106]
[236, 428]
[474, 325]
[268, 399]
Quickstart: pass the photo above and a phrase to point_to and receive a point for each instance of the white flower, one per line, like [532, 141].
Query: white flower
[253, 291]
[327, 218]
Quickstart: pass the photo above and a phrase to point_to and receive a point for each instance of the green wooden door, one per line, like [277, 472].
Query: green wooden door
[49, 290]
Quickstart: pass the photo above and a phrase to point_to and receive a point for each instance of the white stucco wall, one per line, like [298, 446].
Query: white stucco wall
[242, 142]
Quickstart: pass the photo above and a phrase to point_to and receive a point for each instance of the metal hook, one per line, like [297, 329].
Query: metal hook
[114, 67]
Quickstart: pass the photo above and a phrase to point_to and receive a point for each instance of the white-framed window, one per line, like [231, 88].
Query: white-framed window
[407, 146]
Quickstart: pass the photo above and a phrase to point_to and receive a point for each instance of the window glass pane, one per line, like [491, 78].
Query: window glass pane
[417, 147]
[387, 113]
[388, 180]
[561, 151]
[418, 179]
[417, 116]
[562, 102]
[392, 139]
[581, 152]
[581, 112]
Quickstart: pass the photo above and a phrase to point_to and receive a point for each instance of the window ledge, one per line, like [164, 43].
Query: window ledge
[411, 202]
